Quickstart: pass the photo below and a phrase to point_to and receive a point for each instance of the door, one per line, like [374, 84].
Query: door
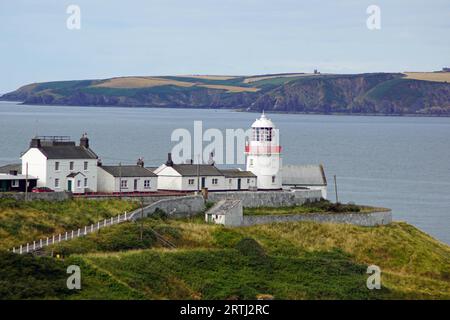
[203, 182]
[135, 184]
[239, 184]
[69, 185]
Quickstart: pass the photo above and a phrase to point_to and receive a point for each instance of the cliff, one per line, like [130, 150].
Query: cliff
[370, 93]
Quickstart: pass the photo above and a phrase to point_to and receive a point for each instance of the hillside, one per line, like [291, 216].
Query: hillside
[302, 260]
[371, 93]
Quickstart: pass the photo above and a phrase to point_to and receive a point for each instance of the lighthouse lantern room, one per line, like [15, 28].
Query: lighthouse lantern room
[264, 154]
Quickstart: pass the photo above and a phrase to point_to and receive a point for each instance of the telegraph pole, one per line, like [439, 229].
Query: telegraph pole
[198, 173]
[335, 189]
[142, 219]
[120, 180]
[26, 182]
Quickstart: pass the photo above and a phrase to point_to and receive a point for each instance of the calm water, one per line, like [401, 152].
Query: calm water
[400, 163]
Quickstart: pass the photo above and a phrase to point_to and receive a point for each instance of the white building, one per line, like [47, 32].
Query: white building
[264, 154]
[228, 212]
[61, 165]
[194, 177]
[310, 177]
[126, 178]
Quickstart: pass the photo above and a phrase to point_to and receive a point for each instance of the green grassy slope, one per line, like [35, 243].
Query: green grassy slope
[301, 260]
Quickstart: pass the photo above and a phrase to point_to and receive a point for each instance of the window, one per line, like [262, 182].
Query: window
[230, 181]
[71, 165]
[85, 165]
[57, 166]
[191, 181]
[146, 184]
[78, 183]
[56, 183]
[85, 182]
[215, 181]
[273, 179]
[124, 184]
[248, 181]
[251, 162]
[14, 183]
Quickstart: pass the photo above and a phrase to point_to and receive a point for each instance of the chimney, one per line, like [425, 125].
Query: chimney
[169, 162]
[84, 141]
[211, 159]
[35, 143]
[140, 162]
[99, 162]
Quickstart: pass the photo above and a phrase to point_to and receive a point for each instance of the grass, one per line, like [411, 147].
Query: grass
[21, 222]
[299, 260]
[322, 206]
[429, 76]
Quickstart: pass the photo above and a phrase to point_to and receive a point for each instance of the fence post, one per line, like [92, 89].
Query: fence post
[59, 237]
[85, 230]
[66, 235]
[28, 246]
[112, 220]
[118, 218]
[40, 243]
[14, 250]
[20, 250]
[125, 216]
[47, 241]
[78, 232]
[92, 228]
[72, 234]
[34, 245]
[53, 239]
[104, 223]
[98, 225]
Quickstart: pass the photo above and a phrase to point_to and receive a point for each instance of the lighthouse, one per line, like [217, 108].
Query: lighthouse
[264, 154]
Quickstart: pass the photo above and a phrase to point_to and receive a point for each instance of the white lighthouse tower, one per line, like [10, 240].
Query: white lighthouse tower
[264, 154]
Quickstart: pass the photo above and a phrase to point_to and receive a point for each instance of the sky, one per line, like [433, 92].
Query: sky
[227, 37]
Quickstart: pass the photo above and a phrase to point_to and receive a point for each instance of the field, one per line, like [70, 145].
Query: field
[301, 260]
[429, 76]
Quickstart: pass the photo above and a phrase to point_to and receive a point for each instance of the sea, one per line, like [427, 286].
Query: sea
[402, 163]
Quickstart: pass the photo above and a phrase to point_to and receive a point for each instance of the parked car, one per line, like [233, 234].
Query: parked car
[41, 189]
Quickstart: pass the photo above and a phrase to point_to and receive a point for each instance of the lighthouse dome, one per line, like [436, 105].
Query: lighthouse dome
[263, 122]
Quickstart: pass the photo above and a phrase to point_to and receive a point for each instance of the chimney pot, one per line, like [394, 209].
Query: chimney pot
[169, 162]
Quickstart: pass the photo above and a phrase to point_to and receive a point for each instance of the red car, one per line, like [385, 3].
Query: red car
[41, 189]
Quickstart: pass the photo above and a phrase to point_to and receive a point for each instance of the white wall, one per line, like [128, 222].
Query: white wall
[36, 165]
[109, 183]
[234, 183]
[64, 171]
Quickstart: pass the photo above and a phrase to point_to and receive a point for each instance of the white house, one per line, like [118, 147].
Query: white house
[126, 178]
[228, 212]
[264, 154]
[61, 165]
[236, 179]
[310, 177]
[194, 177]
[189, 177]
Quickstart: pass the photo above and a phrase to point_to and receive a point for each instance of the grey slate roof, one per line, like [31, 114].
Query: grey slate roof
[11, 167]
[190, 170]
[236, 173]
[128, 171]
[306, 175]
[68, 151]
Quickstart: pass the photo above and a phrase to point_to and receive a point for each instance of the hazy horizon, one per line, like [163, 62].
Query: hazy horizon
[234, 37]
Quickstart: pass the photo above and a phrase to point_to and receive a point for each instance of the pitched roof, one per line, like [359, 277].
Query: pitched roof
[74, 174]
[7, 176]
[128, 171]
[11, 167]
[68, 151]
[190, 170]
[236, 173]
[306, 175]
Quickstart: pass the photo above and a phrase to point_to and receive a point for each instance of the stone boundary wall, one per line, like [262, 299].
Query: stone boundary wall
[252, 199]
[48, 196]
[175, 207]
[359, 219]
[147, 199]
